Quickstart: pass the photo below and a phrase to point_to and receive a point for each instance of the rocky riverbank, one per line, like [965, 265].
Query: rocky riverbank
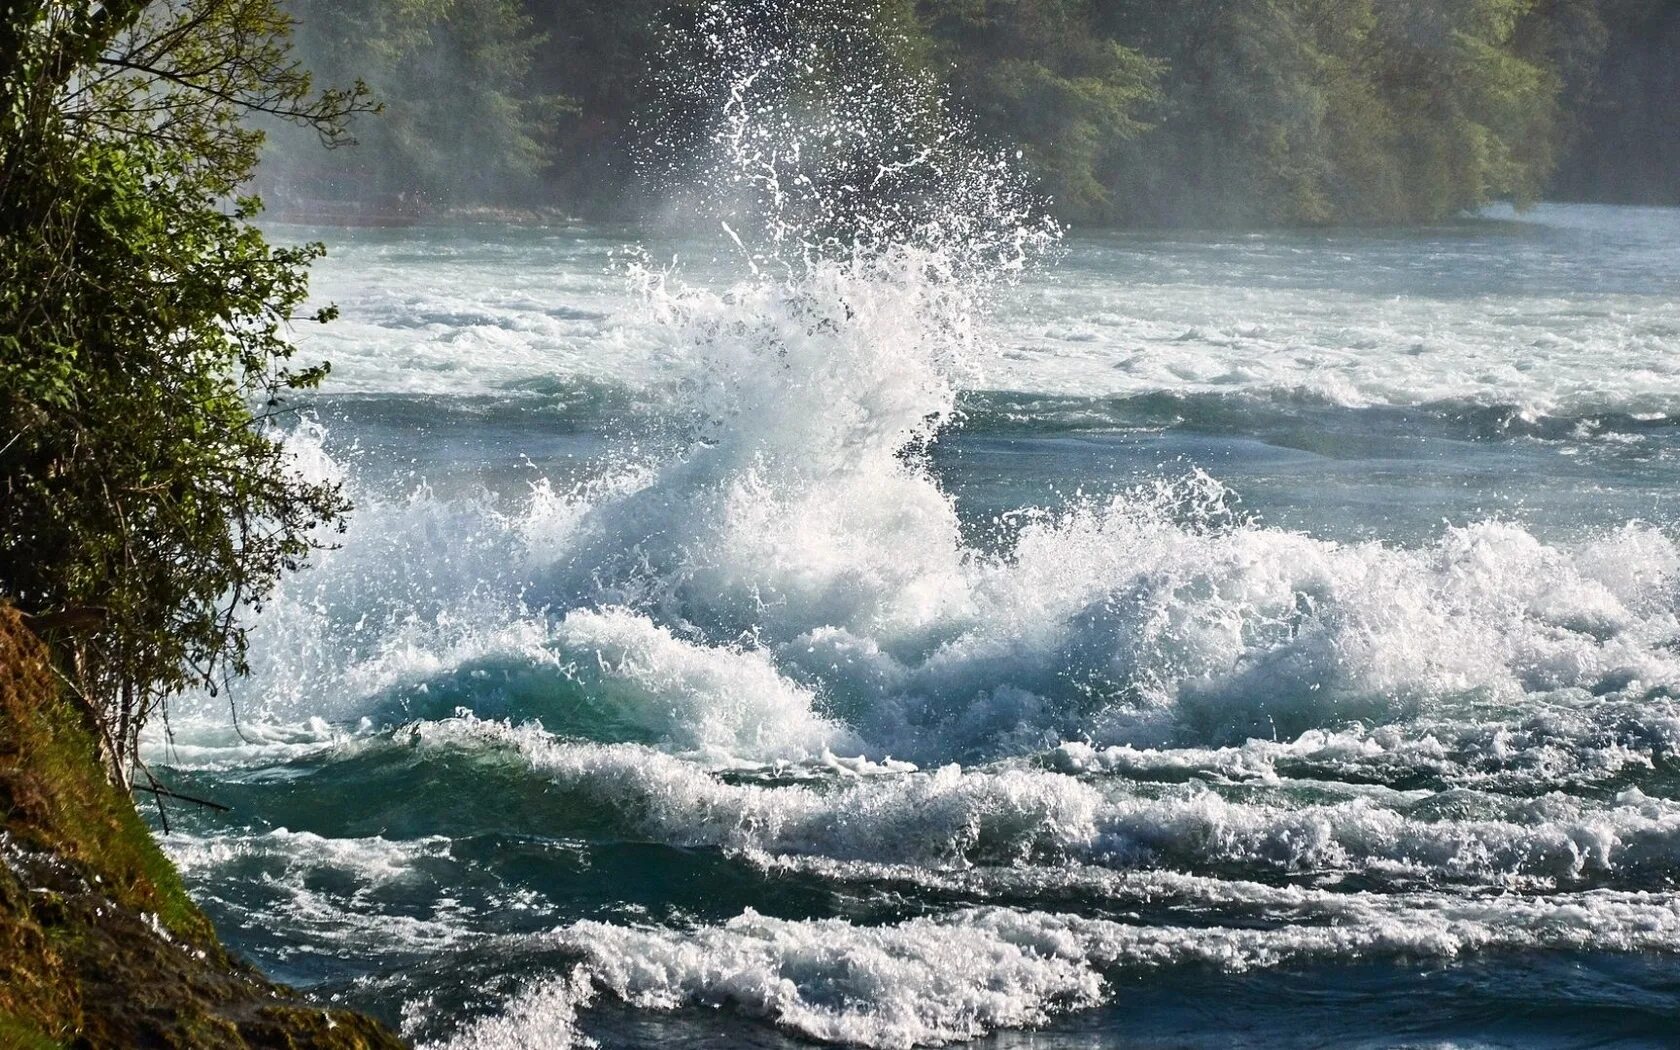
[99, 944]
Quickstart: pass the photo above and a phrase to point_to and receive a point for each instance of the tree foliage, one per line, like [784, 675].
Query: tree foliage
[603, 57]
[143, 350]
[1625, 107]
[1314, 111]
[462, 120]
[1212, 113]
[1041, 74]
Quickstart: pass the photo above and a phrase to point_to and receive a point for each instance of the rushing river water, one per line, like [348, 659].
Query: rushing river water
[1277, 646]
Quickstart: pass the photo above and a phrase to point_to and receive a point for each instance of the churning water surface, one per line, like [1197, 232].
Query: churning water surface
[1272, 640]
[860, 619]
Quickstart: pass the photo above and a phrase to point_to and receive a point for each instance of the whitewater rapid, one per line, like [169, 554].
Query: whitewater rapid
[934, 629]
[1134, 731]
[1575, 318]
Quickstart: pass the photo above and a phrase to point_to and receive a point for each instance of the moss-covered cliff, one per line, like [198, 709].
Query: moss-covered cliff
[99, 944]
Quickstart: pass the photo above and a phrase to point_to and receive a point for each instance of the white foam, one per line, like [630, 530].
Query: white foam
[1565, 740]
[324, 891]
[542, 1017]
[1118, 622]
[948, 978]
[894, 986]
[373, 860]
[952, 817]
[1113, 321]
[723, 705]
[1091, 335]
[209, 741]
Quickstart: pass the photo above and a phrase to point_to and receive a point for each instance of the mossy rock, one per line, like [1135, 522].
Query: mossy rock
[100, 946]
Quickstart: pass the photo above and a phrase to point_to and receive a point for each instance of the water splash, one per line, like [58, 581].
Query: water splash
[798, 582]
[815, 132]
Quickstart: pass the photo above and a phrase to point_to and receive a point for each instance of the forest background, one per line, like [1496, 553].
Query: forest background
[1214, 113]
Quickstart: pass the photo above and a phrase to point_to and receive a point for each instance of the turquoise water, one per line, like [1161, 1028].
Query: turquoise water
[1264, 641]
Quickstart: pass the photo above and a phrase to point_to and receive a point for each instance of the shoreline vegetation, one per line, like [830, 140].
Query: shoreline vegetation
[1140, 113]
[100, 946]
[147, 502]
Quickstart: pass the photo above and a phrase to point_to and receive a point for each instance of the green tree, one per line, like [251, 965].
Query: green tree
[143, 351]
[605, 56]
[462, 120]
[1624, 101]
[1477, 120]
[1316, 111]
[1042, 74]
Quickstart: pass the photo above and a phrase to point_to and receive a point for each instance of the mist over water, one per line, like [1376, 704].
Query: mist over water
[841, 623]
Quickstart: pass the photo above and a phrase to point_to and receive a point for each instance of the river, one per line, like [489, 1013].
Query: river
[1263, 640]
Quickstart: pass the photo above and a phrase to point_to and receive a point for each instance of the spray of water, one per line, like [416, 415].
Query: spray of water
[871, 229]
[797, 575]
